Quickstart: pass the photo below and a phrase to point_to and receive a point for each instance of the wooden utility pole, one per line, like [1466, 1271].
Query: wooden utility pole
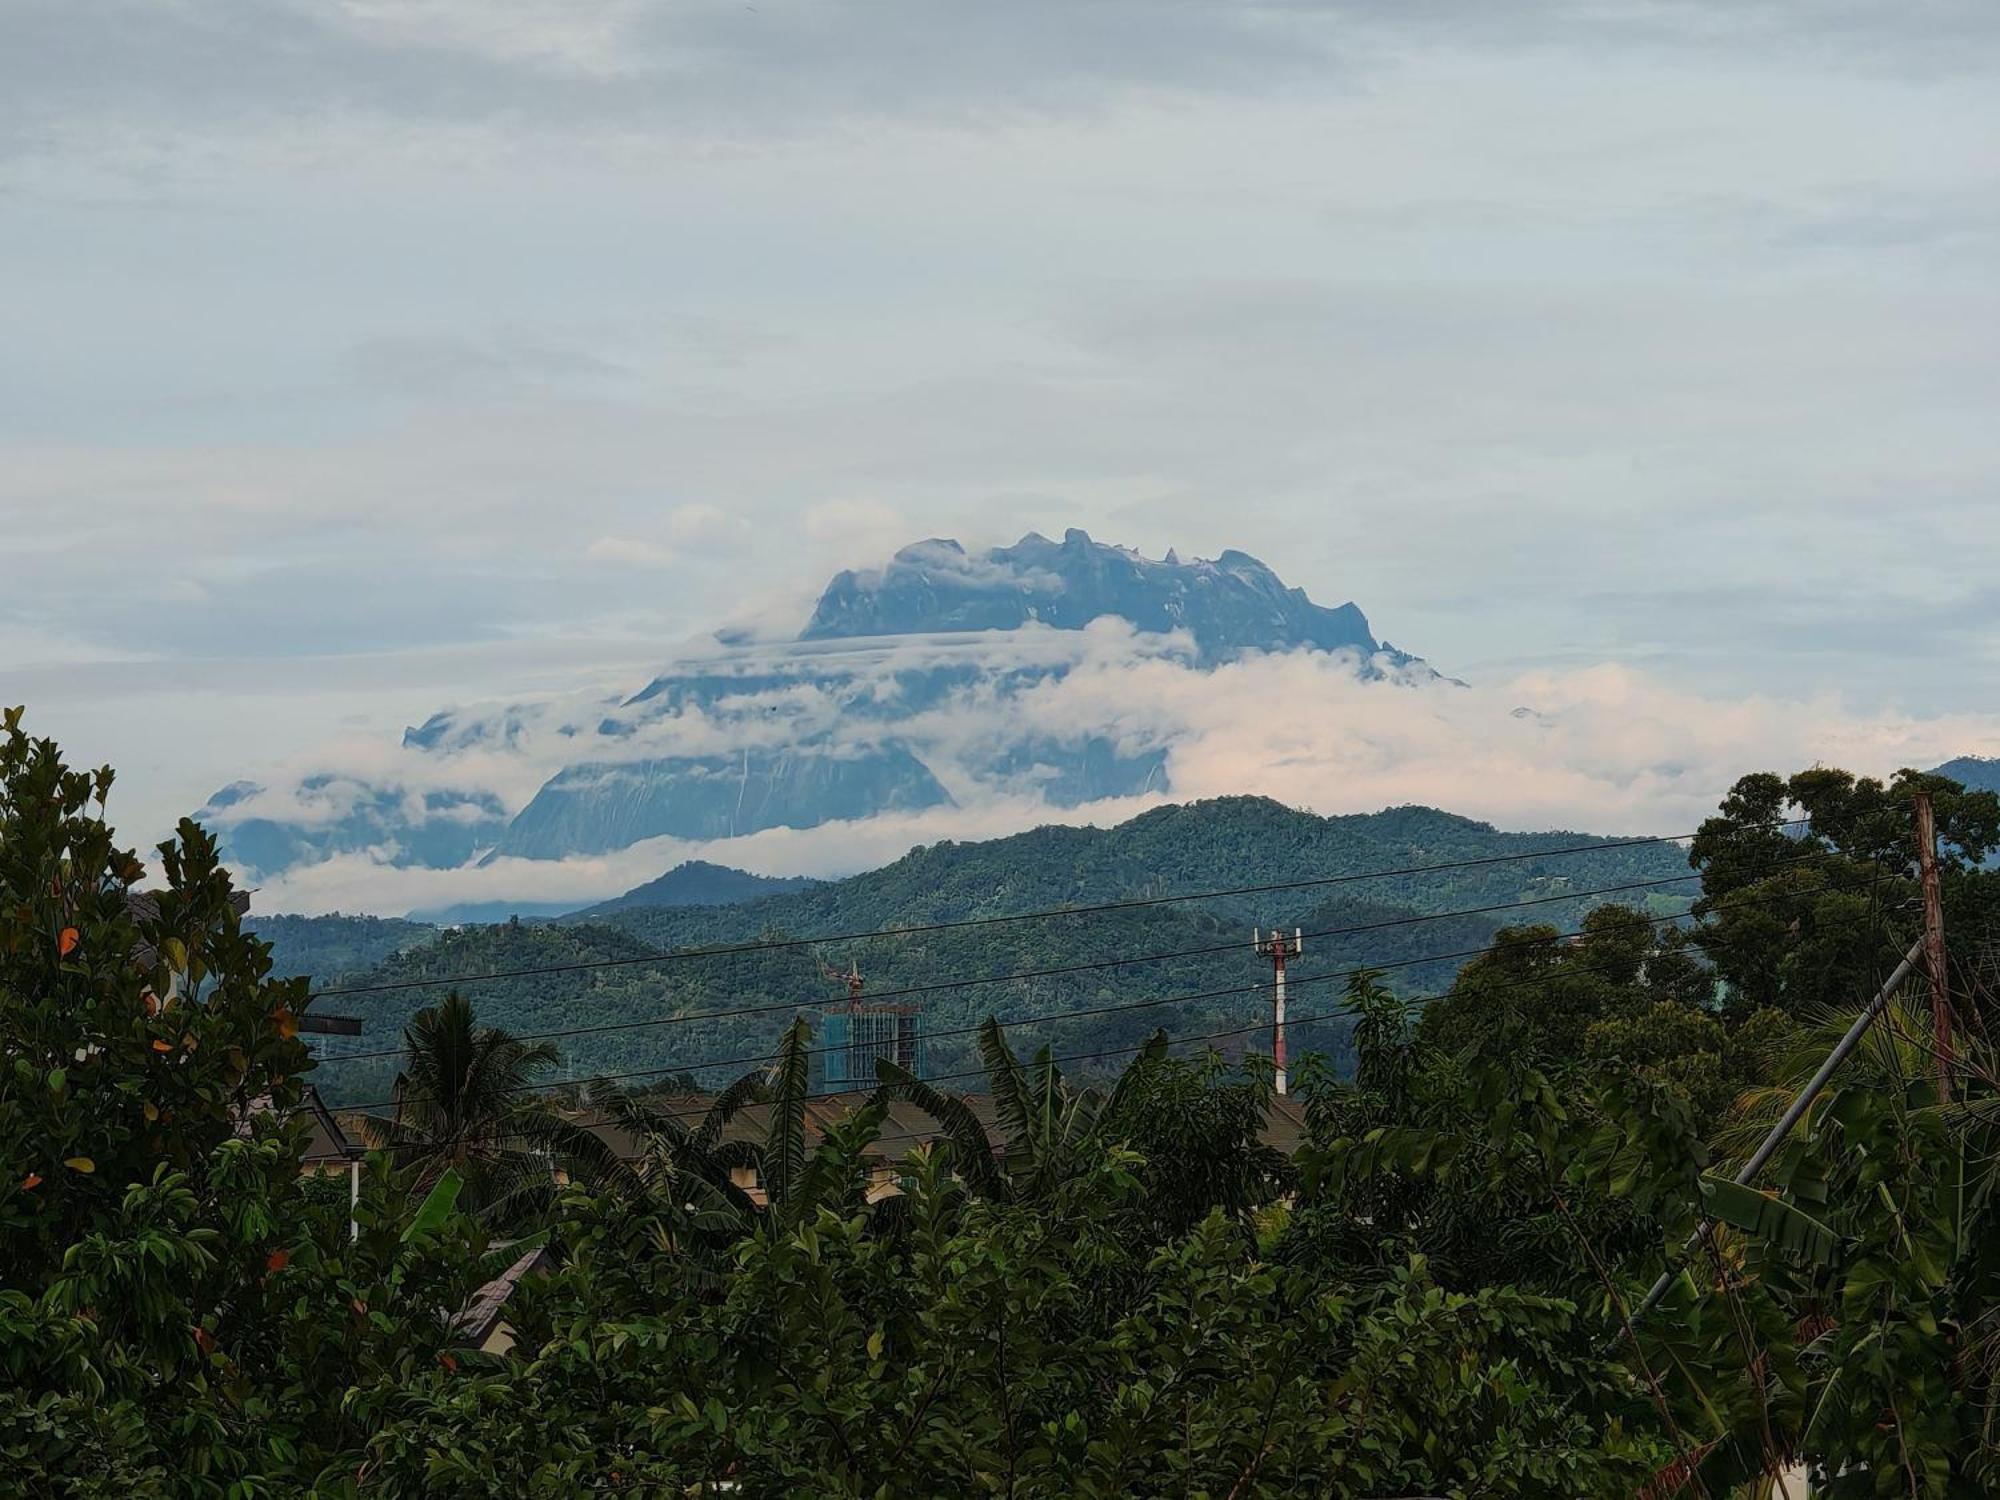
[1934, 962]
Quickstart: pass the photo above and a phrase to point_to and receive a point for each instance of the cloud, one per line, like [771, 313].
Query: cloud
[1603, 749]
[863, 526]
[430, 364]
[76, 77]
[631, 551]
[698, 67]
[1559, 333]
[706, 526]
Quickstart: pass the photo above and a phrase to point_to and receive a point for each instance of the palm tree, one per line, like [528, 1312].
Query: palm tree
[465, 1101]
[680, 1179]
[1048, 1128]
[689, 1174]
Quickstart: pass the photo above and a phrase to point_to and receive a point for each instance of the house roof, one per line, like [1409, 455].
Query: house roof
[489, 1304]
[328, 1141]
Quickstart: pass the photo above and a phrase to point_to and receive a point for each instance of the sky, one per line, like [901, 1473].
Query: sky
[369, 356]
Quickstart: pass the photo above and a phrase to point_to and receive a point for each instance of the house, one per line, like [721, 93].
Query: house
[483, 1325]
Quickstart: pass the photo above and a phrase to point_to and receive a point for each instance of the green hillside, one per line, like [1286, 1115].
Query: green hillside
[696, 882]
[1204, 846]
[330, 946]
[1979, 773]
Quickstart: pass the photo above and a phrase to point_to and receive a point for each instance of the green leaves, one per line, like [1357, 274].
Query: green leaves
[436, 1208]
[1771, 1218]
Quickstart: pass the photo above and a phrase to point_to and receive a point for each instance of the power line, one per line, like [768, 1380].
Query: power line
[1044, 914]
[1087, 966]
[1410, 1003]
[1122, 1006]
[1088, 1054]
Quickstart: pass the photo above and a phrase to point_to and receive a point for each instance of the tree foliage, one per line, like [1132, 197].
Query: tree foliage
[1120, 1288]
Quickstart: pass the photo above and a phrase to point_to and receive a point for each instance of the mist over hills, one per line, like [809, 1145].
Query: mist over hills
[934, 681]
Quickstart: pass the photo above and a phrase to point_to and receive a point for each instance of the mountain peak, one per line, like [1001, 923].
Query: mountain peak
[1231, 605]
[847, 726]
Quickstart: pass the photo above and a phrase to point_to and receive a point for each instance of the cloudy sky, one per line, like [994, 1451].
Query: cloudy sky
[365, 356]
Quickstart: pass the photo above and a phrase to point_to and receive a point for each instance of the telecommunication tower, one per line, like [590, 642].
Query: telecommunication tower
[1280, 948]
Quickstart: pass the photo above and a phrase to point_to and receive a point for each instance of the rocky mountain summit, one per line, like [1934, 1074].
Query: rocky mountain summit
[936, 678]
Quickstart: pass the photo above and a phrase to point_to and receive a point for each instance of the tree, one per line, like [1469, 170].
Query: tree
[1807, 881]
[465, 1102]
[1197, 1127]
[1047, 1127]
[146, 1169]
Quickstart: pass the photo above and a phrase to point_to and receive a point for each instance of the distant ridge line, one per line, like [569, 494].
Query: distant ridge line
[1045, 914]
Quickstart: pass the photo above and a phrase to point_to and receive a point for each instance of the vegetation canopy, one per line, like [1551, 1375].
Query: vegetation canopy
[1416, 1275]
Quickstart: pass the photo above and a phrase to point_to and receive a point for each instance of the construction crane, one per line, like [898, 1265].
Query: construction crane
[852, 979]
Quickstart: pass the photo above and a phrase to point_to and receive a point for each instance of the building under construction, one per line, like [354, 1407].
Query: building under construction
[853, 1035]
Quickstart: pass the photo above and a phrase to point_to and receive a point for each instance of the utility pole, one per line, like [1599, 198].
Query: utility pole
[354, 1154]
[1934, 960]
[1279, 949]
[1794, 1112]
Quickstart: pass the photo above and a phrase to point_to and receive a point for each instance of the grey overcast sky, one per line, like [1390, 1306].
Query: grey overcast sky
[363, 356]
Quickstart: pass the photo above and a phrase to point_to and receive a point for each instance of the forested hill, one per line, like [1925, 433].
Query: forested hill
[696, 883]
[329, 946]
[1979, 773]
[1199, 847]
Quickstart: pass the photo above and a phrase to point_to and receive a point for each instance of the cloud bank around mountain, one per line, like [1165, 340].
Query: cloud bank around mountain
[1607, 749]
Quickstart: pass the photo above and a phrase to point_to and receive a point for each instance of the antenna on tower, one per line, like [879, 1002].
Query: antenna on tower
[1280, 948]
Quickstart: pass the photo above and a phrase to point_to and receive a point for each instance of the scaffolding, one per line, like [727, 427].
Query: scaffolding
[854, 1035]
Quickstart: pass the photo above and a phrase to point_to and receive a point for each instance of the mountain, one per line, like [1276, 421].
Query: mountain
[326, 947]
[595, 808]
[432, 829]
[1231, 605]
[1978, 773]
[935, 681]
[696, 882]
[477, 913]
[1419, 927]
[334, 945]
[693, 882]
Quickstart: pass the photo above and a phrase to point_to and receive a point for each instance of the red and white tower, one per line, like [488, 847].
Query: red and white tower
[1280, 948]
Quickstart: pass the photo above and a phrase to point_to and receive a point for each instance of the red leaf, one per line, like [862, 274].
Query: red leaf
[67, 942]
[204, 1340]
[160, 1046]
[448, 1362]
[278, 1260]
[31, 1181]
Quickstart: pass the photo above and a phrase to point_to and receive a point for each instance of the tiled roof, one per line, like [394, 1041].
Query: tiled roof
[489, 1304]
